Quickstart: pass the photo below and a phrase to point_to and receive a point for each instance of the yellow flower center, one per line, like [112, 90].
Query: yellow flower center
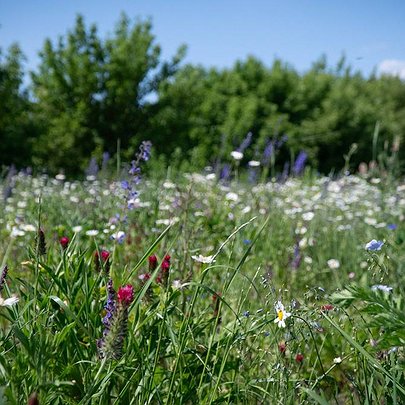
[280, 315]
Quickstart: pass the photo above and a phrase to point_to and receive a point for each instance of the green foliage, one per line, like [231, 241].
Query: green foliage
[91, 94]
[16, 127]
[208, 335]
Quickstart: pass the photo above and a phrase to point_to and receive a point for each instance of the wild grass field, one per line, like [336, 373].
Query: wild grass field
[184, 288]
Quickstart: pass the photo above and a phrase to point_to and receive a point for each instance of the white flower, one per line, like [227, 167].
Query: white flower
[333, 264]
[237, 155]
[118, 236]
[177, 285]
[77, 229]
[204, 259]
[308, 216]
[92, 232]
[282, 315]
[232, 196]
[8, 302]
[382, 287]
[337, 360]
[254, 163]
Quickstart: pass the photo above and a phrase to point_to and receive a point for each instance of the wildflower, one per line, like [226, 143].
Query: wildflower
[282, 347]
[64, 242]
[152, 262]
[299, 358]
[392, 227]
[327, 307]
[3, 277]
[164, 270]
[333, 264]
[77, 228]
[203, 259]
[282, 315]
[92, 232]
[118, 236]
[246, 314]
[115, 321]
[381, 287]
[237, 155]
[254, 163]
[177, 285]
[8, 302]
[41, 243]
[103, 261]
[374, 245]
[125, 295]
[337, 360]
[299, 163]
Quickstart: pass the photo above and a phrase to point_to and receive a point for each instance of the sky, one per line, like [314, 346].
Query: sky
[370, 33]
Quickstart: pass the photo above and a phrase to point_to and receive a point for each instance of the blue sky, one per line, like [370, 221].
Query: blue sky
[370, 33]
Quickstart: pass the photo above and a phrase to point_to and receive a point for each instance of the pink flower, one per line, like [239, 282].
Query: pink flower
[125, 295]
[64, 242]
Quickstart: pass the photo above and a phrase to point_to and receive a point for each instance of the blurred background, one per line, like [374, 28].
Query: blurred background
[84, 83]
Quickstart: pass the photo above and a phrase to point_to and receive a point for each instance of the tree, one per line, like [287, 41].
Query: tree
[16, 127]
[91, 92]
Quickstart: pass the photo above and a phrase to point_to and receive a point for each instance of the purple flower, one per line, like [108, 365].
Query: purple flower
[392, 227]
[374, 245]
[299, 163]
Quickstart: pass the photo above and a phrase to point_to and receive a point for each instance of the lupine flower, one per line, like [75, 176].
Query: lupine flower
[64, 242]
[299, 163]
[374, 245]
[115, 321]
[282, 315]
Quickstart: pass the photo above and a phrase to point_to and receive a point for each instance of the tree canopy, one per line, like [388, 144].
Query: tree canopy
[89, 93]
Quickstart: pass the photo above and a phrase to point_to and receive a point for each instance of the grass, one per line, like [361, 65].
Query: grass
[204, 331]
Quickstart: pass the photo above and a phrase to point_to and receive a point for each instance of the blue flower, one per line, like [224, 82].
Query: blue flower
[374, 245]
[392, 227]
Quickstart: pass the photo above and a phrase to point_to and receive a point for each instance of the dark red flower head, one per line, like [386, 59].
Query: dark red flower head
[64, 241]
[299, 358]
[327, 307]
[152, 262]
[282, 347]
[125, 295]
[105, 255]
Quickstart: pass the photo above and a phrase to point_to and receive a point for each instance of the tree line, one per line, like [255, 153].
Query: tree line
[90, 94]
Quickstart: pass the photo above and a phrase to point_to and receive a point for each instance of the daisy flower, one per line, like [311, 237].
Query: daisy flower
[282, 315]
[8, 302]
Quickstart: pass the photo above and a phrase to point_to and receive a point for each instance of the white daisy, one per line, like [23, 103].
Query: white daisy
[8, 302]
[282, 315]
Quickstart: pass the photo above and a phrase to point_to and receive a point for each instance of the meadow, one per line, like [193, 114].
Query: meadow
[182, 288]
